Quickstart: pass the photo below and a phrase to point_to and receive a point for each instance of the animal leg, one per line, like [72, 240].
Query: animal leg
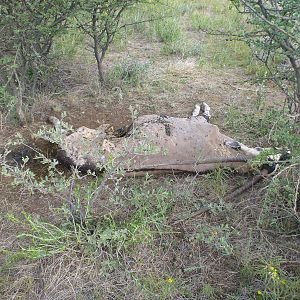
[205, 110]
[196, 111]
[241, 147]
[202, 109]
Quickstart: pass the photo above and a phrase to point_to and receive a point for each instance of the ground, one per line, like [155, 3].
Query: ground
[168, 237]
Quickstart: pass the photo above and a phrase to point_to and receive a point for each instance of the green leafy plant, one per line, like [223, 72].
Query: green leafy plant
[276, 284]
[153, 286]
[42, 238]
[168, 31]
[217, 236]
[129, 71]
[77, 227]
[269, 126]
[27, 35]
[278, 206]
[105, 21]
[209, 291]
[274, 36]
[183, 48]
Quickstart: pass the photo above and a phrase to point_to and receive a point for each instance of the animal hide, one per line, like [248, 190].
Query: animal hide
[155, 144]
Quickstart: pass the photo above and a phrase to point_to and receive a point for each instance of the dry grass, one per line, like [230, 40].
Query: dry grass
[205, 248]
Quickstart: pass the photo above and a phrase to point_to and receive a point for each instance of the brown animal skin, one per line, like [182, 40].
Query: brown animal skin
[157, 144]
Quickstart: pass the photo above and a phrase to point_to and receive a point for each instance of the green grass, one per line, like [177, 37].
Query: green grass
[183, 48]
[218, 179]
[228, 21]
[268, 127]
[217, 237]
[146, 220]
[153, 287]
[219, 53]
[278, 206]
[69, 45]
[129, 71]
[7, 101]
[209, 291]
[45, 239]
[168, 30]
[142, 238]
[273, 282]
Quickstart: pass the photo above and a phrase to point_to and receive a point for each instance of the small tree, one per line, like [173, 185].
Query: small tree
[101, 20]
[27, 32]
[274, 36]
[28, 29]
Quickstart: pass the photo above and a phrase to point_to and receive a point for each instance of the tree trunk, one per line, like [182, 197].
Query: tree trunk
[19, 98]
[99, 64]
[98, 56]
[297, 104]
[296, 66]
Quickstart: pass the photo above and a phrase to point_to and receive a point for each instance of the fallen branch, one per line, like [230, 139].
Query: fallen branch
[249, 184]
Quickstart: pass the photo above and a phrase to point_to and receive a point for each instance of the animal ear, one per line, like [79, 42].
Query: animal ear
[259, 149]
[233, 144]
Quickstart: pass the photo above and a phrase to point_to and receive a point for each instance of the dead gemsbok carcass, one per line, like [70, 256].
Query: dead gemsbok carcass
[155, 144]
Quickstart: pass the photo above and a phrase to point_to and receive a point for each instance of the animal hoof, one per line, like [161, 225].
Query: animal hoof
[205, 110]
[196, 110]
